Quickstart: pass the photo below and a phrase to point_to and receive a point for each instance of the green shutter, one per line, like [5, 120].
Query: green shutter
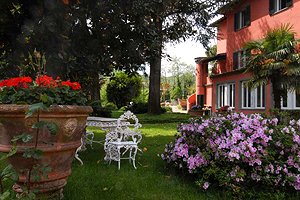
[236, 21]
[247, 16]
[272, 6]
[235, 60]
[289, 3]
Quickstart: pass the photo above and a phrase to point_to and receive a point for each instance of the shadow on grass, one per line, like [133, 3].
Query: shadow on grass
[152, 180]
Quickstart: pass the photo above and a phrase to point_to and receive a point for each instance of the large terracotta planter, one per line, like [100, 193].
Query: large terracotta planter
[58, 150]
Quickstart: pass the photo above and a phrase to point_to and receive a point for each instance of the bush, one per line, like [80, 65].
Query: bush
[111, 106]
[99, 111]
[166, 109]
[123, 88]
[238, 152]
[138, 108]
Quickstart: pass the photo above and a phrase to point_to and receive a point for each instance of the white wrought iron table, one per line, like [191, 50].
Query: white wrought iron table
[105, 124]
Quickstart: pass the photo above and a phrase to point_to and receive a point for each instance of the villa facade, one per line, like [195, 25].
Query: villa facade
[223, 85]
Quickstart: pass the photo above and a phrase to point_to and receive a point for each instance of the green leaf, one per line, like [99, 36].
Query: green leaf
[24, 137]
[45, 170]
[32, 153]
[35, 108]
[5, 195]
[51, 126]
[9, 173]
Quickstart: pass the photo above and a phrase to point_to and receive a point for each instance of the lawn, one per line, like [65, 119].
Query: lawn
[151, 180]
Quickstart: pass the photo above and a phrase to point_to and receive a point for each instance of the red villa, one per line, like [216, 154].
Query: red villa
[242, 21]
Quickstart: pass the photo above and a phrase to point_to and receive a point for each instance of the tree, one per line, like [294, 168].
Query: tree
[123, 88]
[172, 20]
[81, 39]
[275, 58]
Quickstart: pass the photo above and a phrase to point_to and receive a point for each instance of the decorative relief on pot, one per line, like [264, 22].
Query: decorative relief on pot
[70, 126]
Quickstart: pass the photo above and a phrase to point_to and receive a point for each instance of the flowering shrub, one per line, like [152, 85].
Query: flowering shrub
[24, 90]
[236, 151]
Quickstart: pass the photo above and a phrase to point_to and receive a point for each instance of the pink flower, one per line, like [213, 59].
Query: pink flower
[205, 185]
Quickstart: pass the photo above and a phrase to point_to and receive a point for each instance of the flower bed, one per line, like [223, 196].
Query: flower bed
[237, 151]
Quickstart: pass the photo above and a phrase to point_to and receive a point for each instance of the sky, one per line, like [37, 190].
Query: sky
[186, 51]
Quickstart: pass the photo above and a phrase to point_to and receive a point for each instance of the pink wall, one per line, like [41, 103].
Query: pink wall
[222, 37]
[237, 78]
[261, 23]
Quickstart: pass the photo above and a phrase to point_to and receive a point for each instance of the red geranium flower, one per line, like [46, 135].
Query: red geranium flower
[46, 81]
[21, 82]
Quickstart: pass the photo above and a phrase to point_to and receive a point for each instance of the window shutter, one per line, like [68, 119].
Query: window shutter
[272, 6]
[289, 3]
[247, 16]
[235, 60]
[236, 21]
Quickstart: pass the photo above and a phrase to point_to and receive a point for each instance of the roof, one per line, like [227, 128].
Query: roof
[217, 22]
[221, 56]
[228, 6]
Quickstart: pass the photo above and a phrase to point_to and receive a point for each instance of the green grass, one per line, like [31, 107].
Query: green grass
[151, 180]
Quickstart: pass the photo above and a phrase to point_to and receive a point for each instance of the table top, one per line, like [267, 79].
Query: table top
[102, 119]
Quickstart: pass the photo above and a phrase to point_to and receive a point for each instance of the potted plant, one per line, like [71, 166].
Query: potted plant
[46, 119]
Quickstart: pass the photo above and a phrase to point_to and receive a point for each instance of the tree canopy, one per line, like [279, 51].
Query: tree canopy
[82, 39]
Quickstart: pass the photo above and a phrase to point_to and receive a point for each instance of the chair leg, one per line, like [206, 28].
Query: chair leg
[133, 158]
[130, 155]
[77, 156]
[119, 158]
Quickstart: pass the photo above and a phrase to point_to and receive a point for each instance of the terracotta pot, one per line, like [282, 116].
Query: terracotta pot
[58, 150]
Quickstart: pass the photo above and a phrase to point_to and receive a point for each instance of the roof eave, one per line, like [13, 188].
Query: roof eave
[228, 6]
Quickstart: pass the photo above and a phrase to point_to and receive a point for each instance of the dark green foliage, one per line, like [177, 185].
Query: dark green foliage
[166, 109]
[138, 108]
[32, 95]
[123, 88]
[99, 111]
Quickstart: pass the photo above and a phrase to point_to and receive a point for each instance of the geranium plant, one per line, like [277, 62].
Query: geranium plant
[39, 94]
[25, 90]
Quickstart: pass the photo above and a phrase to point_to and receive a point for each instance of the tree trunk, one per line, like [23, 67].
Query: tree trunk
[154, 86]
[155, 73]
[94, 89]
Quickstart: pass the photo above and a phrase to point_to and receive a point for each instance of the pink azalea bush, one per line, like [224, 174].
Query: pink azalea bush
[237, 151]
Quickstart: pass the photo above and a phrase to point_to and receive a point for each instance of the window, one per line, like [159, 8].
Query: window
[226, 95]
[239, 59]
[277, 5]
[291, 100]
[253, 98]
[242, 19]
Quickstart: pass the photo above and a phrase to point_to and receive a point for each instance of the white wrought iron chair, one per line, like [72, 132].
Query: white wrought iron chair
[87, 138]
[122, 143]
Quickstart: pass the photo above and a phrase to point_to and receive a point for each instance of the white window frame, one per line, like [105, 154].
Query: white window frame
[241, 59]
[253, 97]
[228, 93]
[277, 4]
[291, 101]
